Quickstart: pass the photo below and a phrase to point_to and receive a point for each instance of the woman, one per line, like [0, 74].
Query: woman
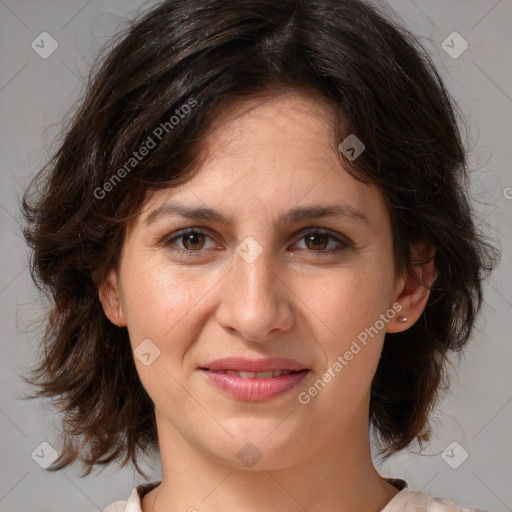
[258, 244]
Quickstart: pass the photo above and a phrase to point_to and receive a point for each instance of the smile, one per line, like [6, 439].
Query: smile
[253, 386]
[256, 375]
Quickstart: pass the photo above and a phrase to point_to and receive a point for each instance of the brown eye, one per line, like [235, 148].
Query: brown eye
[323, 243]
[190, 242]
[317, 241]
[193, 241]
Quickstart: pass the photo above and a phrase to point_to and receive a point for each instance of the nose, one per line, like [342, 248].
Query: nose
[256, 301]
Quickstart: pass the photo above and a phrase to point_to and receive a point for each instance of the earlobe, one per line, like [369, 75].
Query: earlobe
[414, 289]
[110, 299]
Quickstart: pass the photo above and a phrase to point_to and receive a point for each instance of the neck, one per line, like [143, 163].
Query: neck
[338, 476]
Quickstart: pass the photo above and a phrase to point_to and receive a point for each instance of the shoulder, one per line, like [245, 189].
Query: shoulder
[409, 500]
[446, 505]
[117, 506]
[133, 504]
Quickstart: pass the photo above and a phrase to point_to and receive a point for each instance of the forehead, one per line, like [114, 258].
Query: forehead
[270, 153]
[288, 122]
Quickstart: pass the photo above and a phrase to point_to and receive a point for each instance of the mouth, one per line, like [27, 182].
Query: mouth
[245, 367]
[254, 380]
[270, 374]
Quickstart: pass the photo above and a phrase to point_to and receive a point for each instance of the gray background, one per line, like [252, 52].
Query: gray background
[35, 93]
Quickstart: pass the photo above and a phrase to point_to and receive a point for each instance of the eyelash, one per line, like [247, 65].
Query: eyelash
[189, 253]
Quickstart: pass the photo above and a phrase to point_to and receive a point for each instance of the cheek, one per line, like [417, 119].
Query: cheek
[349, 300]
[350, 335]
[161, 304]
[160, 299]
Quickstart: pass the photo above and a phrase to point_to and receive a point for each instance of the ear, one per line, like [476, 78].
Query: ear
[110, 298]
[413, 289]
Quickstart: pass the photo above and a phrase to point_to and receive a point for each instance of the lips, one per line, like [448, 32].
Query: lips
[256, 375]
[254, 380]
[240, 364]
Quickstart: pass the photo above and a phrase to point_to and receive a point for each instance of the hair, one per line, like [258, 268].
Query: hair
[380, 84]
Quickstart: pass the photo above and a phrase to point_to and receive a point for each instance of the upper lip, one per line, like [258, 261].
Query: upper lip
[254, 365]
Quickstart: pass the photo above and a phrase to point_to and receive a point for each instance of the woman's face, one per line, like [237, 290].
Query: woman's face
[261, 279]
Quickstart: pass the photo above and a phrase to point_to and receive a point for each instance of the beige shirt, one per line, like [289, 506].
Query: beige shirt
[407, 500]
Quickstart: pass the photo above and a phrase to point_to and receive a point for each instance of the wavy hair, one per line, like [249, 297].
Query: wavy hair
[380, 84]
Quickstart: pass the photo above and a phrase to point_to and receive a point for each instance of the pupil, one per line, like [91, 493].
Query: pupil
[190, 238]
[313, 237]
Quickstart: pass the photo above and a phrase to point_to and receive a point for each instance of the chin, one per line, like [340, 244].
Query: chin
[258, 444]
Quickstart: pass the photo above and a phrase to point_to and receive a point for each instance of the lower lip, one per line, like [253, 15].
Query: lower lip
[254, 390]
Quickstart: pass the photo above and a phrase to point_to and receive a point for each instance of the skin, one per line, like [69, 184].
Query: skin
[263, 158]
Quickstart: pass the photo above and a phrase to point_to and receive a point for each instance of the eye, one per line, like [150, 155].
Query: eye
[192, 240]
[317, 240]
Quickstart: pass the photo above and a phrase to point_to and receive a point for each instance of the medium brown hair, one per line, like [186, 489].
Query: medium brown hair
[381, 85]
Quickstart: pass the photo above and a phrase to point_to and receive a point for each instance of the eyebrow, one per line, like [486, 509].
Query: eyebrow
[294, 215]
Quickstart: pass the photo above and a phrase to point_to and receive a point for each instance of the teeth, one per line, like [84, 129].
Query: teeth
[264, 375]
[256, 375]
